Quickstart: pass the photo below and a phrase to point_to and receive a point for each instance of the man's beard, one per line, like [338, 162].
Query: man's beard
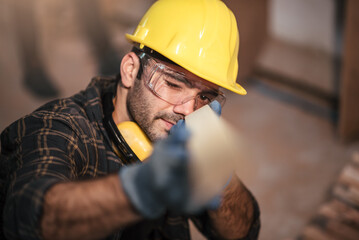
[139, 110]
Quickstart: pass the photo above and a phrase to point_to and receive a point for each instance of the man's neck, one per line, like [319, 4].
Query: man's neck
[120, 113]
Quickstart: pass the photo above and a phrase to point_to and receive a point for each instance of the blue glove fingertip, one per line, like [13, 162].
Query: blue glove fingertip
[179, 132]
[216, 107]
[180, 124]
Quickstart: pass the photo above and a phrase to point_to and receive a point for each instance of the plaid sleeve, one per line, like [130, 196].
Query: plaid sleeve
[202, 222]
[40, 150]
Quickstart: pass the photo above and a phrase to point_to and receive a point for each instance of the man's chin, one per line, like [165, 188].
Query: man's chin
[158, 131]
[158, 135]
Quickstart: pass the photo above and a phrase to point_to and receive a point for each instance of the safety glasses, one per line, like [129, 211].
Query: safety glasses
[174, 87]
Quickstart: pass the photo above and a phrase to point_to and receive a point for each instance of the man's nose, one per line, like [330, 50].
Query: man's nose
[185, 108]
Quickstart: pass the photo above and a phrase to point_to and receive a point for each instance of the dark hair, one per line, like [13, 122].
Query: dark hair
[138, 51]
[151, 53]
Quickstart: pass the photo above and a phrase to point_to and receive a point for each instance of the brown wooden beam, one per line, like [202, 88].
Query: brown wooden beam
[349, 96]
[252, 18]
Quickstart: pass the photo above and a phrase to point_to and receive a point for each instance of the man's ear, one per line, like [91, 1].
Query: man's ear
[130, 65]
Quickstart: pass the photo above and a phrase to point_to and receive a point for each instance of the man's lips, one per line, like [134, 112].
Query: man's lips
[168, 124]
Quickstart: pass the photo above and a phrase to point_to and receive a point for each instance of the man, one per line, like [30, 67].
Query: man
[67, 172]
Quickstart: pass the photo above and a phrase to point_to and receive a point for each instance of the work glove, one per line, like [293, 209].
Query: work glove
[161, 183]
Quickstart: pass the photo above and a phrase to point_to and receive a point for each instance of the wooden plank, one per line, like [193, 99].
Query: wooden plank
[338, 218]
[350, 176]
[341, 212]
[349, 109]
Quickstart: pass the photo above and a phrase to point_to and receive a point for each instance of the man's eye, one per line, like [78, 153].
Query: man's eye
[172, 85]
[207, 97]
[204, 98]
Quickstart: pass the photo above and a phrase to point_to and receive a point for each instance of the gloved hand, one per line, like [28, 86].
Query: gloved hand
[161, 183]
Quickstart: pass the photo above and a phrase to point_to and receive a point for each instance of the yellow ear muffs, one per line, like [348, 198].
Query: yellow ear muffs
[136, 139]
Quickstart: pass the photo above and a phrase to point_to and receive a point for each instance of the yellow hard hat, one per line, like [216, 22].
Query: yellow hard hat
[136, 139]
[199, 35]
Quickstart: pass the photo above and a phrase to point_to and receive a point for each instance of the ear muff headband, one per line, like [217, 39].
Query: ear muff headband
[118, 142]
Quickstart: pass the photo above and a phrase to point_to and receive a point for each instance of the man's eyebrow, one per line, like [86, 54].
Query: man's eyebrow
[210, 91]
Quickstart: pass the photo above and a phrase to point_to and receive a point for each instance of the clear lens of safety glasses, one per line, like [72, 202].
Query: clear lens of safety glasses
[173, 87]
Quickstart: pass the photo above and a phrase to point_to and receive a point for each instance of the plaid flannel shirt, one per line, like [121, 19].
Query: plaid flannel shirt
[62, 141]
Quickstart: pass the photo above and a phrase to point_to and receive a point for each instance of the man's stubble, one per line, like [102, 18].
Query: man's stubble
[141, 111]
